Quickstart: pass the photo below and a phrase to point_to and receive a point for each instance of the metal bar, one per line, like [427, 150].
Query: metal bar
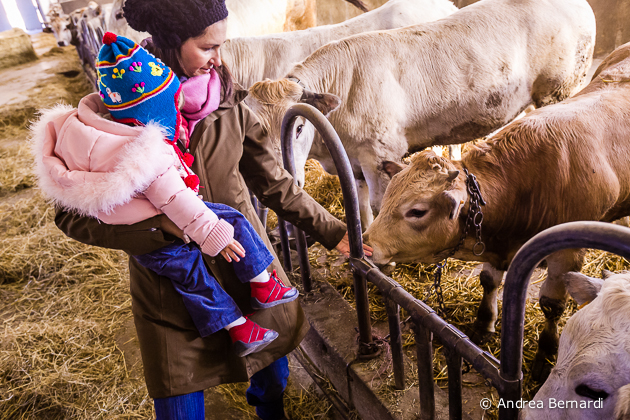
[351, 202]
[482, 361]
[454, 369]
[395, 343]
[424, 350]
[596, 235]
[305, 265]
[284, 243]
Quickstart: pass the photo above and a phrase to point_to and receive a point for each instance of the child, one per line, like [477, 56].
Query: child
[124, 174]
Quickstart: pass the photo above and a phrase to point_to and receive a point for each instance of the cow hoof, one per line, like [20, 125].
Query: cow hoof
[479, 336]
[541, 368]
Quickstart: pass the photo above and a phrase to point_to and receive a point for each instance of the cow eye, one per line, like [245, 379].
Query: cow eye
[119, 15]
[588, 392]
[416, 213]
[298, 130]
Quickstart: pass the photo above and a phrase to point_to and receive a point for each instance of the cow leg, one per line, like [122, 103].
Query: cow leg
[490, 279]
[367, 217]
[553, 301]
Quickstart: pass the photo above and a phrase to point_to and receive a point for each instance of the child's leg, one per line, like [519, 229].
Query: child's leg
[257, 256]
[210, 307]
[267, 289]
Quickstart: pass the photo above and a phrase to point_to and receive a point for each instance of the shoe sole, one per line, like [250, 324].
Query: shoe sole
[244, 349]
[256, 304]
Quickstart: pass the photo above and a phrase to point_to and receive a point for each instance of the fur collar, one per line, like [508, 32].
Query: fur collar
[140, 161]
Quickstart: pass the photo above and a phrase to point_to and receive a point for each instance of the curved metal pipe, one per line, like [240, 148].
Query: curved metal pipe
[350, 200]
[596, 235]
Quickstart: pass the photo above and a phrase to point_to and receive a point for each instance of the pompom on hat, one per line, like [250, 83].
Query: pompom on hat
[170, 22]
[137, 88]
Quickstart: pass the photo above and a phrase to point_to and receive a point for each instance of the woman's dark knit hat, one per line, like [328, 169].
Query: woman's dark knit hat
[169, 22]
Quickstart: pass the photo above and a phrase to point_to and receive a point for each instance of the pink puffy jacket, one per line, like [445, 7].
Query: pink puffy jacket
[118, 173]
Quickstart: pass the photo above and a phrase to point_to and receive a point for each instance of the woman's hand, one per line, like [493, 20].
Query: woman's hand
[233, 251]
[344, 247]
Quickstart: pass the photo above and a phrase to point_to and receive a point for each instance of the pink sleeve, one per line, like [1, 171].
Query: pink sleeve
[179, 203]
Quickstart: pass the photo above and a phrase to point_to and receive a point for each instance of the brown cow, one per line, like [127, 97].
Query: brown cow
[561, 163]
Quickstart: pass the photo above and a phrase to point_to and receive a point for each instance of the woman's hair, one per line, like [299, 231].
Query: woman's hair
[172, 58]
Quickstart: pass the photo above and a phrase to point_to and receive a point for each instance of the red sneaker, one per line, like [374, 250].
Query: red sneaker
[250, 337]
[271, 293]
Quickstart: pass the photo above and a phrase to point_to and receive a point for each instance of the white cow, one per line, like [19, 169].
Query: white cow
[252, 59]
[591, 380]
[59, 23]
[444, 82]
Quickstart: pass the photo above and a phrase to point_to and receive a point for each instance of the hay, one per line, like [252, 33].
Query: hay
[65, 302]
[15, 169]
[15, 48]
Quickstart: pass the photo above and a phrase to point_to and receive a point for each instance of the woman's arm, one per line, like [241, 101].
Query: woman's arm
[276, 189]
[137, 239]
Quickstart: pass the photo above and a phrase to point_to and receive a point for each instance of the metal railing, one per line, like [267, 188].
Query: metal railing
[505, 376]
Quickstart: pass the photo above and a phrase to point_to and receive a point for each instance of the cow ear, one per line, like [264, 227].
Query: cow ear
[622, 407]
[582, 288]
[392, 168]
[455, 202]
[324, 102]
[452, 175]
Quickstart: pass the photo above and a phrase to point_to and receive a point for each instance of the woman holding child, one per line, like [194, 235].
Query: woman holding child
[231, 155]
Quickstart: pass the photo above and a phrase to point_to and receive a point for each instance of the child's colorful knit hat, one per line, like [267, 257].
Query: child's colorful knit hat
[137, 87]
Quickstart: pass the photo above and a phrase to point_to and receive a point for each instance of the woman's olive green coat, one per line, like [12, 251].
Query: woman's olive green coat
[232, 154]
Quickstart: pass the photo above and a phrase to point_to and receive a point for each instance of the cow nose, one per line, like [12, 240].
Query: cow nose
[61, 43]
[366, 239]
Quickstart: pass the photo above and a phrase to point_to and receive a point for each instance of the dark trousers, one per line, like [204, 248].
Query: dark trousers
[265, 393]
[210, 307]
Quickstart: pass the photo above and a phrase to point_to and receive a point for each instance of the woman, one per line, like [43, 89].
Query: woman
[232, 154]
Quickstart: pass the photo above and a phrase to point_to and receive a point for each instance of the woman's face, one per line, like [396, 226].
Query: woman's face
[199, 55]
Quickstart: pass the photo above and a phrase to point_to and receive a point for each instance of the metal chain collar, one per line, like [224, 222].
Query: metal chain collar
[474, 218]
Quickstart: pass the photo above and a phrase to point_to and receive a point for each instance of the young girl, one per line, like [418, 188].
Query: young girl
[124, 174]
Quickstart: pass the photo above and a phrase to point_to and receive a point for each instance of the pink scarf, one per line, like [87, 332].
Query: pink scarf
[202, 95]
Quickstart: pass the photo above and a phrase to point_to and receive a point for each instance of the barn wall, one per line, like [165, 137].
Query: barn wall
[612, 17]
[336, 11]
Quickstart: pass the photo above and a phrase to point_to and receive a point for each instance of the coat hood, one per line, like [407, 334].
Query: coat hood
[88, 164]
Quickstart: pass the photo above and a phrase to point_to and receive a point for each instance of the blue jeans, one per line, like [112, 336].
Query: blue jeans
[265, 393]
[209, 306]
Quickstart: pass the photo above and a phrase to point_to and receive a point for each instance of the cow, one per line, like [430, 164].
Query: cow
[252, 59]
[591, 380]
[59, 23]
[246, 17]
[444, 82]
[66, 28]
[561, 163]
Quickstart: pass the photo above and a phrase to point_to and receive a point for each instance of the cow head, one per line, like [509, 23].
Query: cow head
[593, 368]
[418, 221]
[60, 24]
[270, 100]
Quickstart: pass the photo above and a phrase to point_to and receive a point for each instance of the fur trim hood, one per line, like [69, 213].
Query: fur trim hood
[90, 165]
